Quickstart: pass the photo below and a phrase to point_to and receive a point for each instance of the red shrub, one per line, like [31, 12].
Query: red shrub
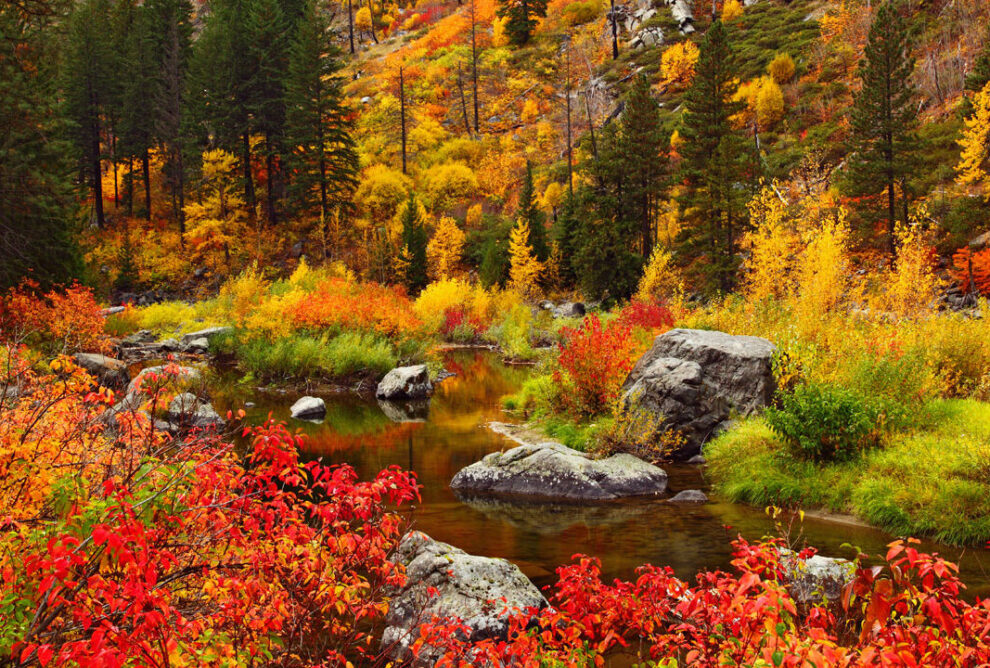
[596, 360]
[966, 263]
[59, 321]
[647, 314]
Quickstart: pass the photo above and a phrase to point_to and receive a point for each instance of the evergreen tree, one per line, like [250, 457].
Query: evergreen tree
[323, 159]
[521, 17]
[566, 233]
[136, 125]
[883, 116]
[89, 77]
[530, 212]
[37, 218]
[493, 268]
[712, 162]
[643, 148]
[979, 76]
[414, 241]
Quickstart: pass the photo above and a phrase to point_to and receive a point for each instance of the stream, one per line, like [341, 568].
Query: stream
[540, 537]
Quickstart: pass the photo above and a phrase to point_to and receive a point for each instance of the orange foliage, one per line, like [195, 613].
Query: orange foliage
[980, 269]
[336, 303]
[59, 321]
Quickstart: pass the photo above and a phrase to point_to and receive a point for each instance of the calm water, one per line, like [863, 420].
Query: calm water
[539, 537]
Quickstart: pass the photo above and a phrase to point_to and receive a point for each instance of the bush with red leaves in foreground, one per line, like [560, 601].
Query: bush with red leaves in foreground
[905, 613]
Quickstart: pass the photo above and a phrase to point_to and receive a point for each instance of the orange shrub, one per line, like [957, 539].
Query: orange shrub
[58, 321]
[368, 307]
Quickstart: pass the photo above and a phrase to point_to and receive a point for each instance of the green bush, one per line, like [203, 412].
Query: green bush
[301, 356]
[827, 423]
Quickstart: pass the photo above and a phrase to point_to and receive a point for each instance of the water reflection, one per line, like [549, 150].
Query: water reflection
[438, 439]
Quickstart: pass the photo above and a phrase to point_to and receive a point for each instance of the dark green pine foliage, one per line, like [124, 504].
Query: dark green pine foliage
[712, 165]
[883, 117]
[89, 77]
[494, 263]
[136, 127]
[604, 262]
[37, 215]
[522, 18]
[222, 78]
[644, 154]
[567, 232]
[530, 212]
[171, 40]
[322, 158]
[979, 76]
[414, 242]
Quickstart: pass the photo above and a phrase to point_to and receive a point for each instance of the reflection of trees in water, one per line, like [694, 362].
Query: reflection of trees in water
[480, 382]
[389, 435]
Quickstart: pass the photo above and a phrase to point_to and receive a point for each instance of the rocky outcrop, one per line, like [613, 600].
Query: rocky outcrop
[689, 496]
[108, 371]
[405, 382]
[189, 411]
[697, 379]
[816, 579]
[553, 471]
[480, 591]
[209, 334]
[309, 408]
[564, 309]
[684, 15]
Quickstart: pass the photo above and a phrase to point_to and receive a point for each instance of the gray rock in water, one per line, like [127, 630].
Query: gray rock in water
[689, 496]
[554, 471]
[209, 333]
[816, 579]
[405, 382]
[190, 411]
[108, 371]
[696, 379]
[309, 408]
[698, 460]
[481, 591]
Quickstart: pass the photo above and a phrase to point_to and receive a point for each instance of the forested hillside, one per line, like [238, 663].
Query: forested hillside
[634, 281]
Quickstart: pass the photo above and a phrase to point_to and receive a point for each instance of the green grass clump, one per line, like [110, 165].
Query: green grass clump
[931, 480]
[302, 356]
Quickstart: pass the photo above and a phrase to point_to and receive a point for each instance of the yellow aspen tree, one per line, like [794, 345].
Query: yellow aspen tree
[781, 69]
[216, 221]
[525, 270]
[911, 287]
[443, 253]
[823, 270]
[731, 10]
[975, 143]
[769, 103]
[660, 281]
[677, 63]
[772, 244]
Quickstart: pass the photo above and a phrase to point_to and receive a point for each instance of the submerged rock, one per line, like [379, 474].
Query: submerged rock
[188, 410]
[108, 371]
[405, 411]
[480, 591]
[689, 496]
[554, 471]
[309, 408]
[697, 379]
[405, 382]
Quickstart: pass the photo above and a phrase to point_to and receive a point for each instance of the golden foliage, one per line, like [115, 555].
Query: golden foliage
[525, 270]
[443, 253]
[823, 269]
[677, 63]
[215, 222]
[447, 184]
[975, 143]
[781, 69]
[661, 282]
[771, 244]
[731, 10]
[911, 287]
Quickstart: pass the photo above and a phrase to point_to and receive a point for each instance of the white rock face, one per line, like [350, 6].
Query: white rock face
[481, 591]
[208, 334]
[309, 408]
[554, 471]
[405, 382]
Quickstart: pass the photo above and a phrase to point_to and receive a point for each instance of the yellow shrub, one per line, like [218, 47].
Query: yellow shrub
[771, 243]
[731, 10]
[660, 281]
[911, 287]
[823, 271]
[781, 69]
[677, 63]
[439, 297]
[241, 294]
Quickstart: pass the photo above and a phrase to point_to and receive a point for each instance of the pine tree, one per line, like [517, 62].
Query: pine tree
[566, 234]
[530, 212]
[414, 241]
[643, 149]
[521, 18]
[979, 76]
[136, 125]
[712, 165]
[37, 221]
[883, 116]
[89, 77]
[323, 159]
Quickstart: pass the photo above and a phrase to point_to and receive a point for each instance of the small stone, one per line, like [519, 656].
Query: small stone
[188, 409]
[309, 408]
[689, 496]
[698, 460]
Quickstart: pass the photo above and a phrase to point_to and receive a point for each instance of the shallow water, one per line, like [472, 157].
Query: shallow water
[539, 537]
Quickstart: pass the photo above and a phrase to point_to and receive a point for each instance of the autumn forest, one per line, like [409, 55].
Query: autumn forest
[494, 333]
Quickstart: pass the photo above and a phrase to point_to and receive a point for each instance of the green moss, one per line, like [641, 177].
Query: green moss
[932, 480]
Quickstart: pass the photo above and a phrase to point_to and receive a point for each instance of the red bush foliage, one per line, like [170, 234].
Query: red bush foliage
[646, 314]
[596, 360]
[960, 270]
[59, 321]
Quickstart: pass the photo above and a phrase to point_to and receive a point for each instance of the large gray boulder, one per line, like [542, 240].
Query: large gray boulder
[697, 379]
[108, 371]
[188, 410]
[209, 334]
[554, 471]
[405, 382]
[480, 591]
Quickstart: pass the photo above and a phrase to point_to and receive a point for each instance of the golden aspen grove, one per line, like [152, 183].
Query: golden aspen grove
[494, 333]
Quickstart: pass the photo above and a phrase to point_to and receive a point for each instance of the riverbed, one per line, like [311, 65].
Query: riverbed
[451, 433]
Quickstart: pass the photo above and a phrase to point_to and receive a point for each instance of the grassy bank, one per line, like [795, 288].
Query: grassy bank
[930, 480]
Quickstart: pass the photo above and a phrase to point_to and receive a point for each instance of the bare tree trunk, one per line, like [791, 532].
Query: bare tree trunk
[460, 87]
[402, 115]
[474, 67]
[350, 24]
